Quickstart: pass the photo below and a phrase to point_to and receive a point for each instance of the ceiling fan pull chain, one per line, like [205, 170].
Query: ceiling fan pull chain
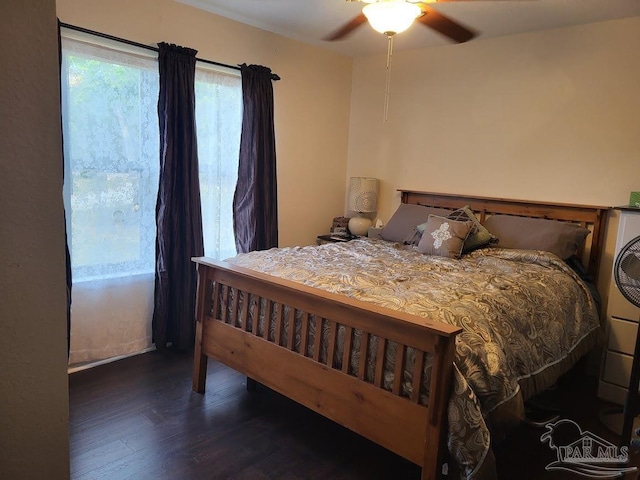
[387, 88]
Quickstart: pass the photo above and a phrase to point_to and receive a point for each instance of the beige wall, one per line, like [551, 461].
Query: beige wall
[551, 116]
[34, 441]
[312, 100]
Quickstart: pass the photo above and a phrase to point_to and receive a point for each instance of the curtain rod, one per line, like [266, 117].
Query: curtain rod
[147, 47]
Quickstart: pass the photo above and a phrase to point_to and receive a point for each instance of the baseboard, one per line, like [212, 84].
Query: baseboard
[86, 366]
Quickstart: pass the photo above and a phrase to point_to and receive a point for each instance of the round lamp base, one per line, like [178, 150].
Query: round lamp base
[359, 226]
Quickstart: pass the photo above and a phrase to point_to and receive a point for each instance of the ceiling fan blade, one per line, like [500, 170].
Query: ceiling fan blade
[445, 25]
[347, 29]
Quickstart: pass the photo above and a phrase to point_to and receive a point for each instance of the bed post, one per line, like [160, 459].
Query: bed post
[598, 240]
[199, 358]
[437, 413]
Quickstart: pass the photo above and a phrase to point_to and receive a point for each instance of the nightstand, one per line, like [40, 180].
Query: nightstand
[322, 239]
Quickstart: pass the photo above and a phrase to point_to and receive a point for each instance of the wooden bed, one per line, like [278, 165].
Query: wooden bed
[403, 425]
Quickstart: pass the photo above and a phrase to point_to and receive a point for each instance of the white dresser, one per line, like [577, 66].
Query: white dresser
[622, 323]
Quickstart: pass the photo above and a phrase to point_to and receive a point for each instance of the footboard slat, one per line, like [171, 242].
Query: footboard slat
[317, 338]
[364, 356]
[332, 343]
[416, 374]
[255, 311]
[399, 369]
[279, 320]
[234, 310]
[216, 298]
[292, 328]
[346, 354]
[245, 312]
[289, 337]
[304, 334]
[267, 319]
[380, 360]
[225, 298]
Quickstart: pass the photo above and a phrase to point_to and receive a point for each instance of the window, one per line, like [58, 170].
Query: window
[111, 152]
[112, 158]
[219, 123]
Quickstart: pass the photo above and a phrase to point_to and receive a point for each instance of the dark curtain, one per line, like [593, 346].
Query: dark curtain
[255, 202]
[66, 238]
[178, 213]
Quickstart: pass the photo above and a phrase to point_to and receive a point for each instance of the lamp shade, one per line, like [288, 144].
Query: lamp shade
[363, 194]
[391, 16]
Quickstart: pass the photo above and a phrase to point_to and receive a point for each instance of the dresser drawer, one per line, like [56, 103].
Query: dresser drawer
[612, 393]
[617, 369]
[622, 336]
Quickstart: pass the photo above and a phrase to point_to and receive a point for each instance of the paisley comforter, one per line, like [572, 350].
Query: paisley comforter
[526, 318]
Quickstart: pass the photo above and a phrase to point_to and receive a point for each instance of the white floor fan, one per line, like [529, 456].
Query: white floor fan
[626, 273]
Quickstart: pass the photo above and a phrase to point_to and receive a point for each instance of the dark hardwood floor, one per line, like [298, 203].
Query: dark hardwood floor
[138, 419]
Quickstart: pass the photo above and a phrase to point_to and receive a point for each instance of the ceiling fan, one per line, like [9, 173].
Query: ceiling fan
[381, 14]
[394, 16]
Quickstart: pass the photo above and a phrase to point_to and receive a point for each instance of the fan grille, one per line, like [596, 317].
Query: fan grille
[627, 271]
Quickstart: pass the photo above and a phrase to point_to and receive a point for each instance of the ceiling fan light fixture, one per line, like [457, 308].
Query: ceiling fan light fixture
[391, 16]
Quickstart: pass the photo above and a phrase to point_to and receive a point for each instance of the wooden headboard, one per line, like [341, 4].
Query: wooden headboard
[591, 217]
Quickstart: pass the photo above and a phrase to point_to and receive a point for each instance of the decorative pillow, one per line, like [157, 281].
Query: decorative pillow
[479, 236]
[561, 238]
[444, 237]
[402, 224]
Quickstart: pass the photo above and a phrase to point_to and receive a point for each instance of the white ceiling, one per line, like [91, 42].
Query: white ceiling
[310, 20]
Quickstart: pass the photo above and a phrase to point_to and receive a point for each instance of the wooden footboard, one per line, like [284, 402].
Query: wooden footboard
[284, 352]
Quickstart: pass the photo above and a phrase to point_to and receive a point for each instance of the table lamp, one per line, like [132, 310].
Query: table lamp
[363, 198]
